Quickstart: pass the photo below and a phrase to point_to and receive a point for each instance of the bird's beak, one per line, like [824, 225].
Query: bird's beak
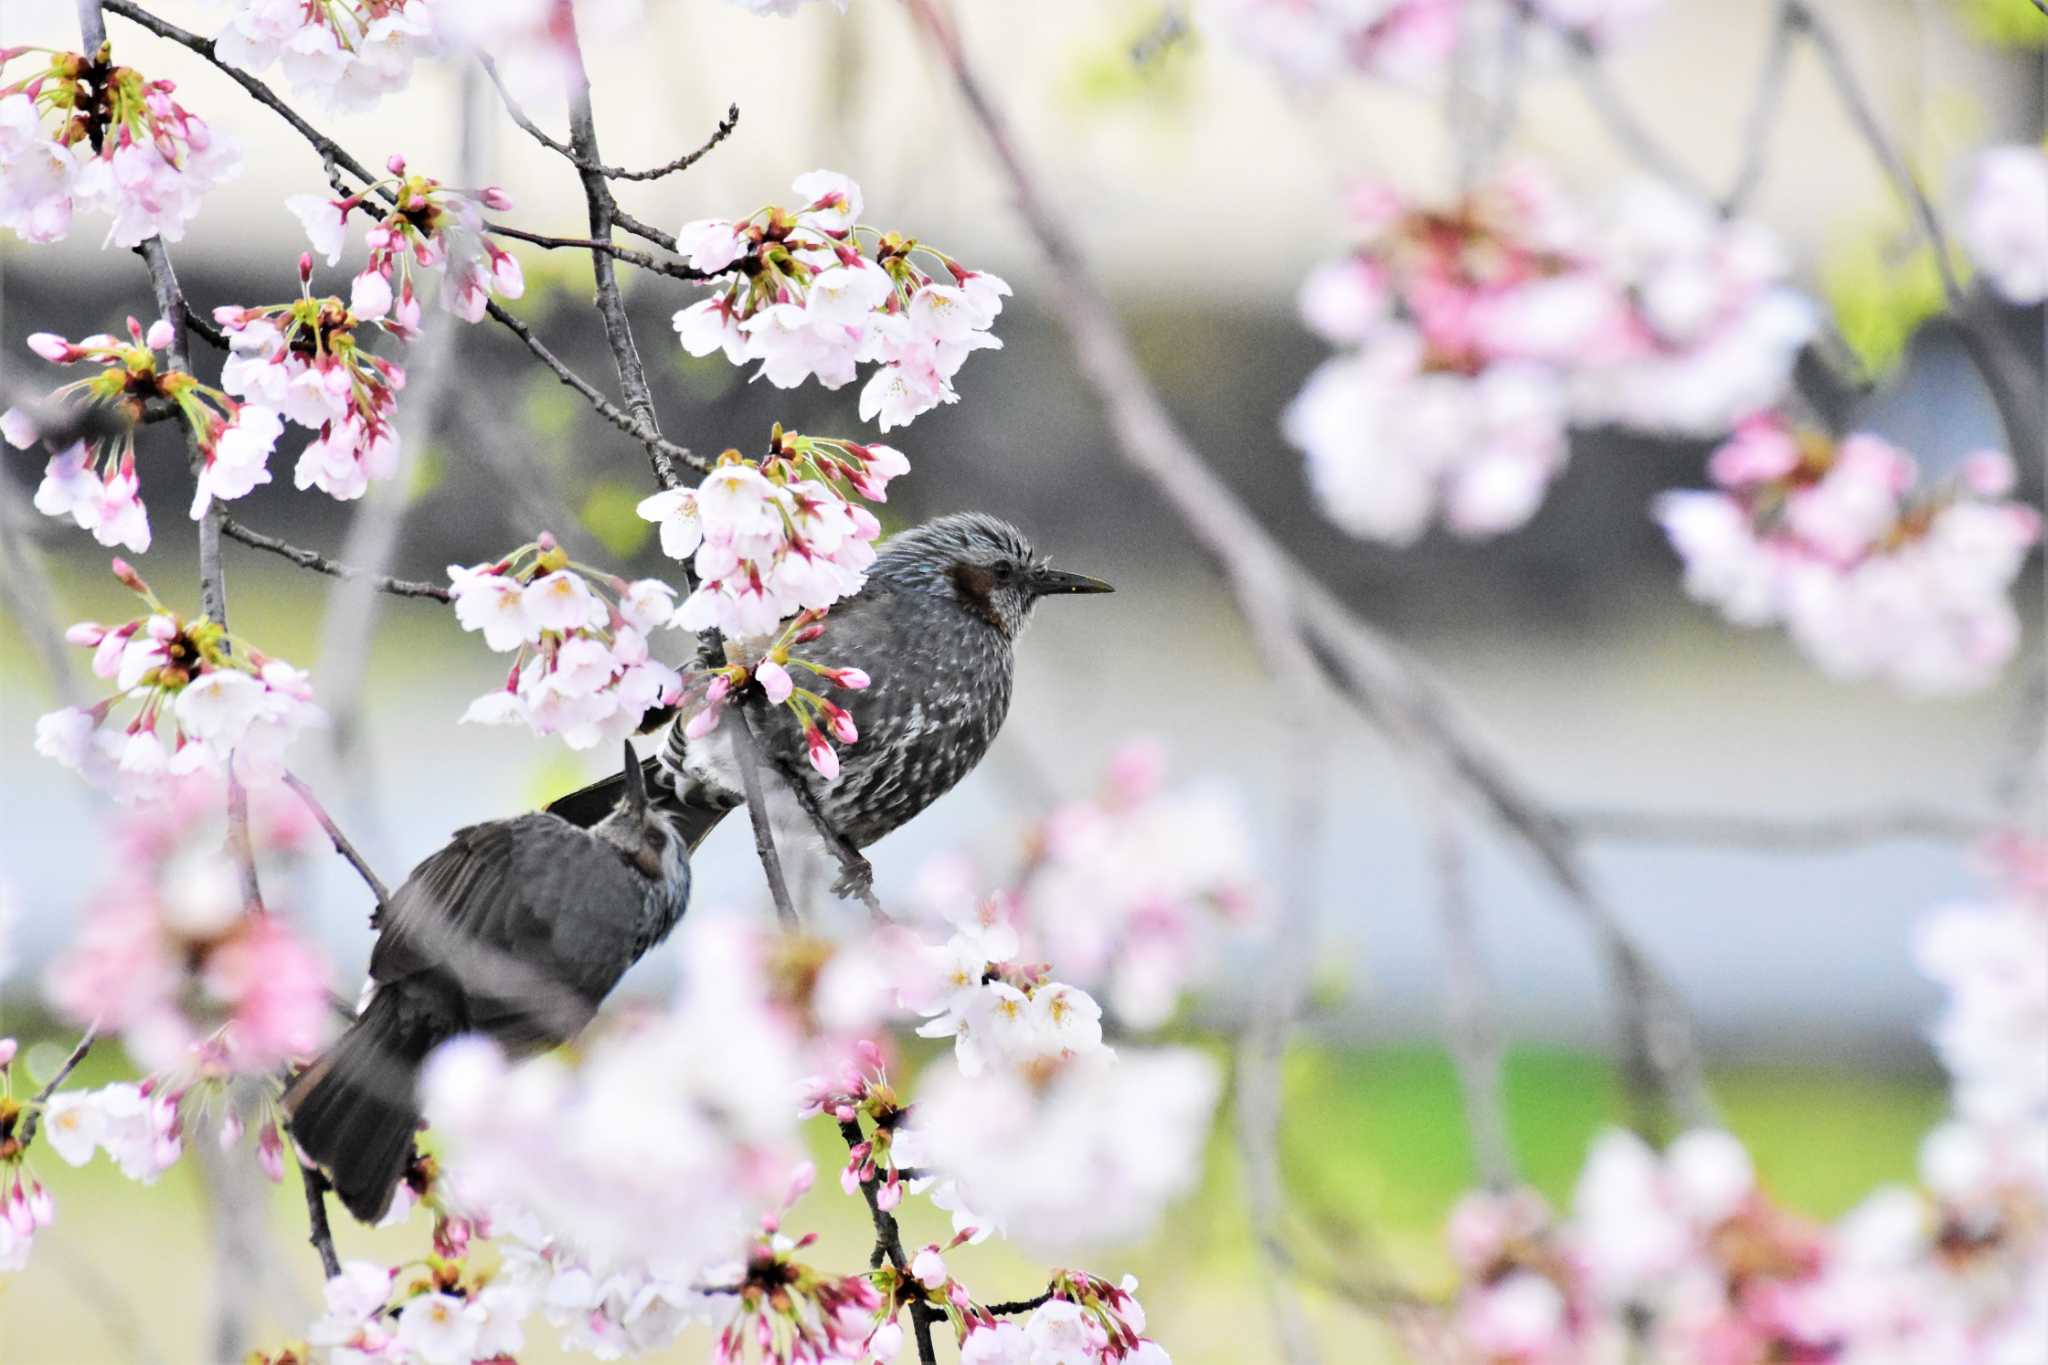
[636, 782]
[1047, 582]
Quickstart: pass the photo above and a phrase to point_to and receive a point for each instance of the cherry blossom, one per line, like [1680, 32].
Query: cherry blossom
[93, 480]
[1874, 572]
[206, 702]
[429, 224]
[707, 690]
[1709, 327]
[772, 538]
[2004, 224]
[812, 297]
[137, 1126]
[348, 53]
[1406, 41]
[582, 667]
[82, 133]
[305, 360]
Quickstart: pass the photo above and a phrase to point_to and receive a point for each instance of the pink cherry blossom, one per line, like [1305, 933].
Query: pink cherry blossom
[2005, 221]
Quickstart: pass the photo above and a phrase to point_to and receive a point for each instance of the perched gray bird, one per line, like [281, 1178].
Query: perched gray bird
[517, 930]
[933, 628]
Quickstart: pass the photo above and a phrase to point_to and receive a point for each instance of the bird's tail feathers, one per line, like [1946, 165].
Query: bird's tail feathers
[354, 1111]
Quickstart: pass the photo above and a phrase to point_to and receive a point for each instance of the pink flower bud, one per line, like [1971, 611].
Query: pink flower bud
[134, 331]
[395, 164]
[8, 1047]
[720, 689]
[852, 679]
[270, 1153]
[822, 755]
[841, 721]
[305, 267]
[52, 347]
[86, 634]
[889, 1196]
[775, 681]
[495, 198]
[703, 723]
[41, 1208]
[230, 1129]
[160, 334]
[1989, 473]
[125, 572]
[800, 1181]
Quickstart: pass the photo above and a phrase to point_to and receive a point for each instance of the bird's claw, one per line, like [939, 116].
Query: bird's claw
[856, 879]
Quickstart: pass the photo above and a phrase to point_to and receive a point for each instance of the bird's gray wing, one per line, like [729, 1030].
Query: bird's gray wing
[518, 928]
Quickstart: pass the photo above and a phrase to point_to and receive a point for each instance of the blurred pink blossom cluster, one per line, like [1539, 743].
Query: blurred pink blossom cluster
[811, 297]
[1086, 1321]
[92, 479]
[204, 701]
[1873, 571]
[1476, 332]
[78, 134]
[2004, 223]
[654, 1148]
[772, 537]
[1131, 891]
[348, 54]
[430, 225]
[1317, 41]
[304, 360]
[172, 958]
[26, 1207]
[1682, 1257]
[533, 44]
[581, 667]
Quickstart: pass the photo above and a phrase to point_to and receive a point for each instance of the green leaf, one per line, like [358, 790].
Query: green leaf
[2006, 23]
[1879, 298]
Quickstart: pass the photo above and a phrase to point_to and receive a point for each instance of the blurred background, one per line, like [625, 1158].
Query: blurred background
[1204, 188]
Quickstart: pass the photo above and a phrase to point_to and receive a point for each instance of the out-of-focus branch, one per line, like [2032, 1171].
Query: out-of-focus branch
[746, 750]
[889, 1246]
[1622, 124]
[1763, 110]
[1779, 834]
[1474, 1031]
[340, 841]
[1275, 591]
[319, 563]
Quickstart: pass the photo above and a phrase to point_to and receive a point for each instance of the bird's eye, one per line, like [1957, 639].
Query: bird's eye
[1005, 571]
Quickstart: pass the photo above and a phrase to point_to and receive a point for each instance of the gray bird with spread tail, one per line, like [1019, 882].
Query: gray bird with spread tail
[934, 629]
[517, 930]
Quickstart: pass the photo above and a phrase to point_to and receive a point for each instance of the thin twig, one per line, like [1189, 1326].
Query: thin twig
[41, 1101]
[631, 256]
[686, 160]
[889, 1246]
[1474, 1032]
[534, 130]
[746, 751]
[1780, 834]
[1388, 686]
[1763, 110]
[319, 563]
[1012, 1307]
[340, 841]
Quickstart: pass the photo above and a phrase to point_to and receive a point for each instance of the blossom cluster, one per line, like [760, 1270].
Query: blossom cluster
[25, 1205]
[91, 476]
[81, 134]
[1133, 890]
[1874, 571]
[348, 53]
[172, 957]
[304, 360]
[810, 296]
[1475, 332]
[1682, 1256]
[2004, 223]
[1085, 1320]
[772, 537]
[430, 224]
[205, 702]
[821, 719]
[1002, 1013]
[581, 667]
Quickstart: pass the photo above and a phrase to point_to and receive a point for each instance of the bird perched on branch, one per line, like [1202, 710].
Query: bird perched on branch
[517, 930]
[933, 628]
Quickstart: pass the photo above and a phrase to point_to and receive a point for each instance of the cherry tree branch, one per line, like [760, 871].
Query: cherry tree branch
[1763, 110]
[1473, 1029]
[673, 269]
[889, 1246]
[1780, 834]
[319, 563]
[41, 1101]
[319, 1232]
[1368, 669]
[746, 751]
[340, 841]
[1013, 1307]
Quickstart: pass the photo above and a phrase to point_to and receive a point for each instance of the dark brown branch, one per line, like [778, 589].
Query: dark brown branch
[319, 563]
[340, 841]
[36, 1106]
[746, 752]
[889, 1246]
[665, 240]
[603, 406]
[1016, 1306]
[686, 160]
[673, 269]
[319, 1234]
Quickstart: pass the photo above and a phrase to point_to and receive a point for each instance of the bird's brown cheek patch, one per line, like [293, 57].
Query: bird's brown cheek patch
[975, 584]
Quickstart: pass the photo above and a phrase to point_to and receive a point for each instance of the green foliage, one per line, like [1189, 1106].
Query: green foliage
[1111, 72]
[1879, 296]
[607, 513]
[549, 411]
[2006, 23]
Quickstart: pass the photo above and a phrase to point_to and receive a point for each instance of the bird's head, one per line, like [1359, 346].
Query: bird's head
[644, 832]
[982, 563]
